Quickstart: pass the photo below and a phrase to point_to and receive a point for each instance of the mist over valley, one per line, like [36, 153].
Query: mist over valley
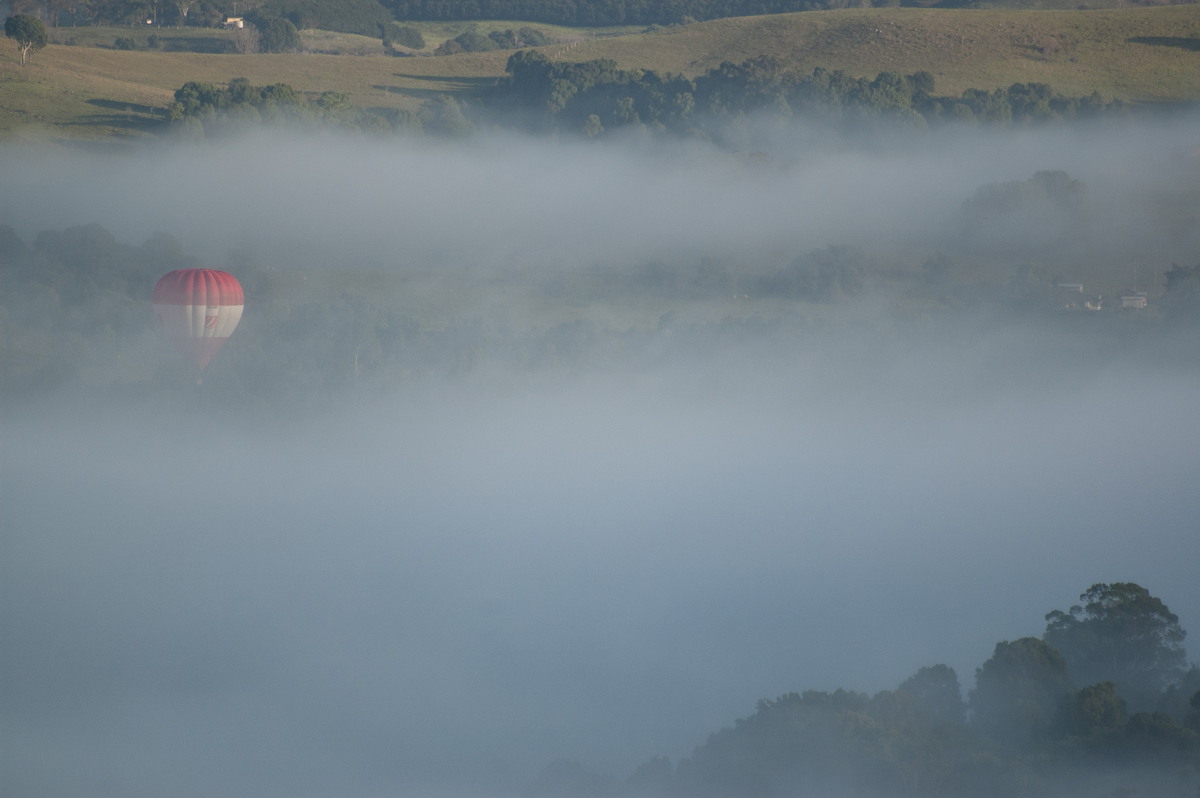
[530, 450]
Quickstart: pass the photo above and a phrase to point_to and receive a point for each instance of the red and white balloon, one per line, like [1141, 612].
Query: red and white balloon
[198, 309]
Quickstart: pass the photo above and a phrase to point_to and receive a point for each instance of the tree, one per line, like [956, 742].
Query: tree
[937, 690]
[1192, 721]
[276, 34]
[29, 33]
[1176, 699]
[443, 115]
[1120, 633]
[182, 7]
[1020, 693]
[11, 245]
[1181, 302]
[1097, 709]
[408, 36]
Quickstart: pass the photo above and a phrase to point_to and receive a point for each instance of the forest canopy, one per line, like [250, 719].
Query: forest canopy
[1028, 729]
[593, 98]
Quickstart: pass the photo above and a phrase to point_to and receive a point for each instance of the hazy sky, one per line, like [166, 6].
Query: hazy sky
[453, 591]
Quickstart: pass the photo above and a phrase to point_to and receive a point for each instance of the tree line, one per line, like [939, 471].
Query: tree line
[74, 301]
[208, 109]
[348, 16]
[593, 97]
[362, 16]
[472, 41]
[1104, 703]
[365, 16]
[593, 13]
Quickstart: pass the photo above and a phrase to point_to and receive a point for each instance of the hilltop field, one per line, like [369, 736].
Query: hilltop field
[82, 86]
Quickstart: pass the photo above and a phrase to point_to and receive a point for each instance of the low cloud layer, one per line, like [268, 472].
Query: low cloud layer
[449, 590]
[505, 200]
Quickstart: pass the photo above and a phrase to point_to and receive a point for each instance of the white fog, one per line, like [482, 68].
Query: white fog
[440, 591]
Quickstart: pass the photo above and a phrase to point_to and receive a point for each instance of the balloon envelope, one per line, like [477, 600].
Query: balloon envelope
[198, 308]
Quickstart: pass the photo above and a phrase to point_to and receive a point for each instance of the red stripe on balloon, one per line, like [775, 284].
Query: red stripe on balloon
[210, 287]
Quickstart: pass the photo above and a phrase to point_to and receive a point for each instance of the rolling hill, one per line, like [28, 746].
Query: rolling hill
[89, 89]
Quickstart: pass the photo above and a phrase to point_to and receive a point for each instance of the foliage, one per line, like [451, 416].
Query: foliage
[594, 97]
[1181, 302]
[797, 743]
[443, 116]
[1027, 732]
[937, 691]
[276, 34]
[403, 35]
[71, 298]
[1120, 633]
[204, 14]
[1020, 693]
[531, 37]
[346, 16]
[1108, 64]
[1096, 711]
[467, 42]
[1052, 187]
[1182, 699]
[29, 32]
[733, 288]
[472, 41]
[590, 13]
[823, 275]
[210, 109]
[1021, 216]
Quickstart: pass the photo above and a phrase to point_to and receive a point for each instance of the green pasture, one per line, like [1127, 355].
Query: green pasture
[1136, 54]
[81, 86]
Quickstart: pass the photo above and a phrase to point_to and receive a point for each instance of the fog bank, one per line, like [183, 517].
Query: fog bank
[445, 590]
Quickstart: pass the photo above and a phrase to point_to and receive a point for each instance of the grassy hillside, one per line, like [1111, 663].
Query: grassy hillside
[1135, 54]
[1141, 55]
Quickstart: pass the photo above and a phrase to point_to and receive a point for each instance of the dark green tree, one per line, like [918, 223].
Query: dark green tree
[408, 36]
[1020, 693]
[28, 32]
[532, 37]
[276, 34]
[1097, 709]
[194, 98]
[822, 275]
[1120, 633]
[1176, 699]
[442, 115]
[347, 16]
[1156, 737]
[475, 42]
[937, 691]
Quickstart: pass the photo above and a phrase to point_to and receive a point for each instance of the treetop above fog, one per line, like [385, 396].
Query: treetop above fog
[1120, 633]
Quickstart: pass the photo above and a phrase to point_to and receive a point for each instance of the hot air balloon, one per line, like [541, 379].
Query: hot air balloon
[198, 308]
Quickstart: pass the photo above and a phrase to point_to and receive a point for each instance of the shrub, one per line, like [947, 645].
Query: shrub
[276, 34]
[407, 36]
